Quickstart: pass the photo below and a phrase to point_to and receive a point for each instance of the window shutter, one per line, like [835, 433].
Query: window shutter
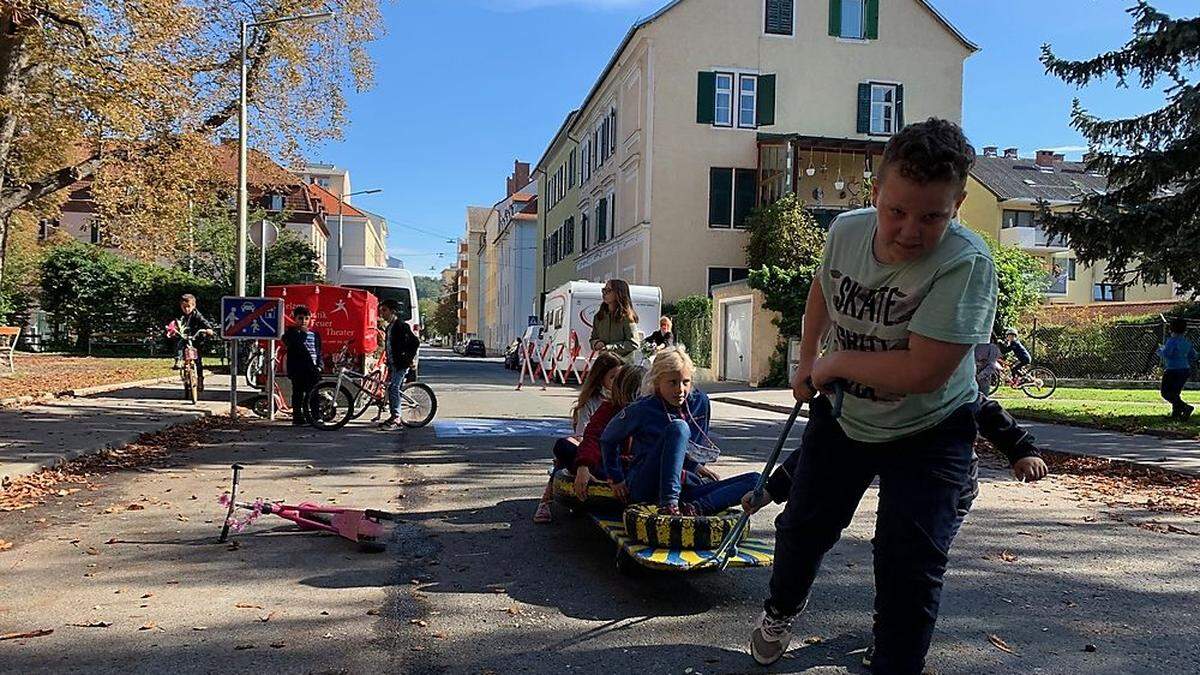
[899, 107]
[779, 17]
[872, 19]
[766, 100]
[706, 97]
[720, 197]
[835, 18]
[864, 108]
[746, 186]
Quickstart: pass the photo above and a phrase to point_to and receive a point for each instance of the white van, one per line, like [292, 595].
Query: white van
[385, 283]
[572, 306]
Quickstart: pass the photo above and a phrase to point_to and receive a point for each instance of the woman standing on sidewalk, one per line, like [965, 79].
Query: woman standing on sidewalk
[615, 323]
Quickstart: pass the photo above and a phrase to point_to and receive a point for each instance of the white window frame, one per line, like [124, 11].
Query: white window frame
[741, 79]
[887, 110]
[787, 36]
[732, 78]
[862, 21]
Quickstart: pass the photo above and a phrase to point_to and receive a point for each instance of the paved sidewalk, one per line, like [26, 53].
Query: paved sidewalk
[1166, 453]
[41, 435]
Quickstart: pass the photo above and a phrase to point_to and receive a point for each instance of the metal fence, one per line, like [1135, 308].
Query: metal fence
[1104, 350]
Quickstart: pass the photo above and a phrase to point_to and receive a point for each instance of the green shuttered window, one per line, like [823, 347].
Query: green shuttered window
[779, 17]
[724, 99]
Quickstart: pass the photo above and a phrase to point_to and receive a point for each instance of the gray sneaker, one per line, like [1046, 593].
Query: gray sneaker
[770, 638]
[392, 424]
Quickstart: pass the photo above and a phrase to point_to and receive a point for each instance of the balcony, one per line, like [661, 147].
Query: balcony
[1033, 238]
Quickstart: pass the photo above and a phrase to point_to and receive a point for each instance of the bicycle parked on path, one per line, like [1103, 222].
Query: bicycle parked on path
[332, 404]
[1036, 381]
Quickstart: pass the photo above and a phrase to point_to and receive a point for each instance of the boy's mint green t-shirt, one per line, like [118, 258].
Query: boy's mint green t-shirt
[948, 295]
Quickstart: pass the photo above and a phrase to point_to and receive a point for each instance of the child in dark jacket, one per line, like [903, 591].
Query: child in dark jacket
[303, 360]
[662, 427]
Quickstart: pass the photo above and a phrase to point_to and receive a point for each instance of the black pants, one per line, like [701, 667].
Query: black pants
[1172, 386]
[925, 488]
[301, 385]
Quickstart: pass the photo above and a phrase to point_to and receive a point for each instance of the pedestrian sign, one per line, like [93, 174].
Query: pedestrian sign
[251, 318]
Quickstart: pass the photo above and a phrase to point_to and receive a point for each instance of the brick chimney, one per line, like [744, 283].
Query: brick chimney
[1059, 158]
[989, 150]
[1010, 153]
[1044, 158]
[519, 177]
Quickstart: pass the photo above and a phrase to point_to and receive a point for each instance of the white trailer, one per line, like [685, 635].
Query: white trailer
[570, 309]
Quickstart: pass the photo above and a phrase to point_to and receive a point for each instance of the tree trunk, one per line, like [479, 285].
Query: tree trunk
[13, 60]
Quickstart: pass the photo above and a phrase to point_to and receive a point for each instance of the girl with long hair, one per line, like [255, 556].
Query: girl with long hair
[615, 323]
[599, 380]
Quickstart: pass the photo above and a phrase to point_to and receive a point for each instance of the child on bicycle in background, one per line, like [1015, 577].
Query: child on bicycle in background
[1013, 346]
[192, 324]
[303, 355]
[400, 348]
[592, 394]
[663, 427]
[1177, 355]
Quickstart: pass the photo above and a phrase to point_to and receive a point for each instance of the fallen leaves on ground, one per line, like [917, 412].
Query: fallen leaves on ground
[26, 492]
[1008, 556]
[45, 374]
[1119, 483]
[246, 605]
[149, 625]
[999, 643]
[5, 545]
[41, 632]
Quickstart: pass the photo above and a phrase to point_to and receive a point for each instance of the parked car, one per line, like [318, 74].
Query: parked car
[512, 355]
[460, 346]
[475, 348]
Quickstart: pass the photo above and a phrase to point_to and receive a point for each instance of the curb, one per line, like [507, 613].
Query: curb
[19, 401]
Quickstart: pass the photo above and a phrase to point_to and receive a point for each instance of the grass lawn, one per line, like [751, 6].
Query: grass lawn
[38, 374]
[1132, 410]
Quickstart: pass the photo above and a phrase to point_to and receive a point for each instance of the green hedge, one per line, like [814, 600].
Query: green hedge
[691, 319]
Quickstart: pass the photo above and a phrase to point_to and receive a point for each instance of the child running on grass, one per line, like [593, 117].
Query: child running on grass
[902, 294]
[592, 394]
[662, 427]
[1177, 355]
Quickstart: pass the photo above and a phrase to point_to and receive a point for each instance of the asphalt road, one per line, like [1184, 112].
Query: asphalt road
[471, 585]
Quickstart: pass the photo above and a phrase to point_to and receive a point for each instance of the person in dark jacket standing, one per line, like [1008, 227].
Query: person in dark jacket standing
[192, 324]
[303, 361]
[663, 337]
[400, 348]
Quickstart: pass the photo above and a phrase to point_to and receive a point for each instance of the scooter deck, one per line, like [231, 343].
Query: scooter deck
[752, 552]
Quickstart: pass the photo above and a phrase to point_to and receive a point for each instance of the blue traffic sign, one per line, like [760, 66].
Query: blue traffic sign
[251, 318]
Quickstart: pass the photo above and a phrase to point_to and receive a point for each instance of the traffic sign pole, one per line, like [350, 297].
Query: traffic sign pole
[233, 375]
[271, 384]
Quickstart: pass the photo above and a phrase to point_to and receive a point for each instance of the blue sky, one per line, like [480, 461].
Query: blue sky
[464, 87]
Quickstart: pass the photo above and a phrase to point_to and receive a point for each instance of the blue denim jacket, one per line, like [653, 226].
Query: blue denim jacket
[644, 421]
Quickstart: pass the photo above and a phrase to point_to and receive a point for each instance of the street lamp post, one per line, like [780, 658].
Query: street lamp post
[341, 201]
[243, 192]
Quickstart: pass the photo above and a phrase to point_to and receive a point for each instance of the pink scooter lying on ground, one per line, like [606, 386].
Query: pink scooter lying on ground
[364, 526]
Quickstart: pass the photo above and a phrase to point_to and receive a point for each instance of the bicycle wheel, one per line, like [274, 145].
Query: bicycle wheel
[373, 393]
[191, 388]
[1040, 382]
[993, 384]
[329, 407]
[418, 404]
[253, 367]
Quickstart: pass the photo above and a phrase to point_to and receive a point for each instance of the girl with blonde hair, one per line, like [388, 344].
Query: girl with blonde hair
[662, 426]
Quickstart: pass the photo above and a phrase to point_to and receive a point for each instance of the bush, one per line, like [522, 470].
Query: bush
[691, 321]
[89, 291]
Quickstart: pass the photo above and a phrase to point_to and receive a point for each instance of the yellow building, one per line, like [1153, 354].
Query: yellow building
[1003, 193]
[709, 107]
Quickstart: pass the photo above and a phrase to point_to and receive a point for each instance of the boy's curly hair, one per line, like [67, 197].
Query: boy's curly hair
[933, 151]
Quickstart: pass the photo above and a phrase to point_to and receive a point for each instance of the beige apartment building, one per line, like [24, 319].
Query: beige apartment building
[1003, 193]
[708, 108]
